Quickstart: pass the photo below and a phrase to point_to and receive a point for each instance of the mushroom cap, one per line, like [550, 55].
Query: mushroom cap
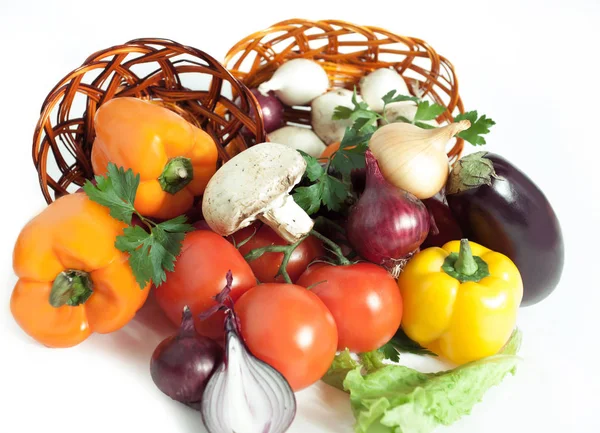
[248, 183]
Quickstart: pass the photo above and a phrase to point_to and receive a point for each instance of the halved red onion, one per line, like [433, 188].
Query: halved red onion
[244, 394]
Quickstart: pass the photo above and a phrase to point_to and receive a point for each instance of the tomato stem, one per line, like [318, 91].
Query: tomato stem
[287, 251]
[335, 248]
[326, 223]
[238, 245]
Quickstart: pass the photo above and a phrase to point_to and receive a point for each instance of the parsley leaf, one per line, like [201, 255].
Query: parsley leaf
[391, 96]
[334, 192]
[116, 191]
[342, 112]
[479, 126]
[151, 253]
[402, 343]
[351, 154]
[364, 119]
[309, 197]
[427, 111]
[325, 190]
[424, 125]
[177, 224]
[314, 170]
[390, 352]
[137, 261]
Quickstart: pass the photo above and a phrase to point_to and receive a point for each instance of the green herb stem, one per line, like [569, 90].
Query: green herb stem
[149, 223]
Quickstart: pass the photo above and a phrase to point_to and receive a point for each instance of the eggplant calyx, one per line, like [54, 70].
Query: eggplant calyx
[71, 287]
[471, 171]
[464, 266]
[177, 174]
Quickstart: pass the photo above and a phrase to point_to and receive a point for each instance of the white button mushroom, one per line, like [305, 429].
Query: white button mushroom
[379, 82]
[327, 129]
[255, 184]
[298, 138]
[406, 110]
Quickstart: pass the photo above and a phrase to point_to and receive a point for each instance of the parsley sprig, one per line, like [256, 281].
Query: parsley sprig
[328, 190]
[364, 118]
[480, 125]
[325, 190]
[401, 343]
[152, 251]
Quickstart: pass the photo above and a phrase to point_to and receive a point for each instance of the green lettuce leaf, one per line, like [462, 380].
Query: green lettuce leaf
[399, 399]
[342, 364]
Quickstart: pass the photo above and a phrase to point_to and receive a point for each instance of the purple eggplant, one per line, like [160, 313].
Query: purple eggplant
[499, 206]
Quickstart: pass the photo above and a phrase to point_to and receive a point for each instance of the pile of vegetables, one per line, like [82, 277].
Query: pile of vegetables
[324, 253]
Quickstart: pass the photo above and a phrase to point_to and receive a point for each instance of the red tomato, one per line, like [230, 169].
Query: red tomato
[199, 275]
[289, 328]
[266, 266]
[364, 300]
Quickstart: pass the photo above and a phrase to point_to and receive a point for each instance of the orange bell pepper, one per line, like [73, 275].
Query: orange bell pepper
[72, 279]
[174, 158]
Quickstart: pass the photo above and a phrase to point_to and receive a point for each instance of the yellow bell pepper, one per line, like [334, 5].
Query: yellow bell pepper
[461, 300]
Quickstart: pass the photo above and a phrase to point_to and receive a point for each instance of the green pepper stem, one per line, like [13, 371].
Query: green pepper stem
[176, 175]
[71, 287]
[465, 264]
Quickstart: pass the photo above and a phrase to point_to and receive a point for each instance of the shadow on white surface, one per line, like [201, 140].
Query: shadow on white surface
[136, 342]
[322, 408]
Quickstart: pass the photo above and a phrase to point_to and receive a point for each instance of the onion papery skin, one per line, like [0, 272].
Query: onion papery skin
[181, 365]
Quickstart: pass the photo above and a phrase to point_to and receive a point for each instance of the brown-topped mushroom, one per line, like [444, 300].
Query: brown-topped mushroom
[255, 185]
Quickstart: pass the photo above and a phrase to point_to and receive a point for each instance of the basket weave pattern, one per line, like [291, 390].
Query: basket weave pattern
[152, 69]
[348, 52]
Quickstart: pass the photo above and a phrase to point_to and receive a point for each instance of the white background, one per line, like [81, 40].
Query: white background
[531, 65]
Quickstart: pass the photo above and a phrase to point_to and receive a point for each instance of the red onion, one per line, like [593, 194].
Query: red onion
[181, 365]
[272, 111]
[386, 223]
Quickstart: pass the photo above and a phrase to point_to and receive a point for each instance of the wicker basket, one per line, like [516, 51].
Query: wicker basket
[347, 52]
[181, 78]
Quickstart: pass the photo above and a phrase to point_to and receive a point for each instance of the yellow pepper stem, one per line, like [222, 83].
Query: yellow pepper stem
[464, 266]
[178, 172]
[71, 287]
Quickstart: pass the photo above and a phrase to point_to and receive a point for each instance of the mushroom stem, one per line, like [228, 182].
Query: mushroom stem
[288, 219]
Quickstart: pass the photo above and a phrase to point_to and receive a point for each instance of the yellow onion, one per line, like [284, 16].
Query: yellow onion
[412, 158]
